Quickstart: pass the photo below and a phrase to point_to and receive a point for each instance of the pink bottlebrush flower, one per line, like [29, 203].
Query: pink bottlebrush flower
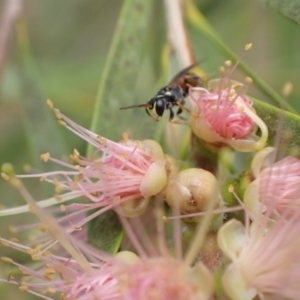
[276, 185]
[264, 259]
[54, 275]
[165, 278]
[126, 174]
[85, 273]
[223, 115]
[123, 277]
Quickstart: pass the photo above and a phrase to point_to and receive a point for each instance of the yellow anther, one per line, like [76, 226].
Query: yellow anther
[248, 47]
[61, 123]
[49, 103]
[45, 157]
[42, 228]
[228, 63]
[36, 257]
[51, 291]
[23, 288]
[48, 277]
[7, 260]
[287, 89]
[248, 80]
[5, 243]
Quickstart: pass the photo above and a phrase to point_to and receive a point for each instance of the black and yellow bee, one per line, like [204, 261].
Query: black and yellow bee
[171, 95]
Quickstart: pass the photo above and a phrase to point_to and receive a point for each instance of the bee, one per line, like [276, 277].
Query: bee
[171, 95]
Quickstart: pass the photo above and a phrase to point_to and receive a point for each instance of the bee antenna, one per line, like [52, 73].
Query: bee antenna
[135, 106]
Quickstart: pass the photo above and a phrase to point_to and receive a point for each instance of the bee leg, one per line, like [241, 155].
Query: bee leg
[171, 118]
[183, 108]
[171, 115]
[181, 121]
[179, 111]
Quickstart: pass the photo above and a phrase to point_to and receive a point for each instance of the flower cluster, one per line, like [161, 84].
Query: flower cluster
[86, 273]
[178, 241]
[124, 174]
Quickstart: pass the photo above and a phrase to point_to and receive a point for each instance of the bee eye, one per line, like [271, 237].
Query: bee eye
[159, 107]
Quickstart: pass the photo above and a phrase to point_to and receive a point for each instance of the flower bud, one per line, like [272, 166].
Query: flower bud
[154, 180]
[127, 257]
[191, 190]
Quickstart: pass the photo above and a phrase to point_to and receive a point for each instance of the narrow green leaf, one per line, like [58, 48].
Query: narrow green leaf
[198, 21]
[121, 71]
[288, 8]
[283, 126]
[116, 89]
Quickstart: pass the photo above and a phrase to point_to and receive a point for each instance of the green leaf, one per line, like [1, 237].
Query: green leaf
[283, 126]
[121, 71]
[116, 89]
[239, 184]
[288, 8]
[105, 232]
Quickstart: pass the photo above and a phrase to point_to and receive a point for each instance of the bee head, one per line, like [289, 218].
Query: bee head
[156, 108]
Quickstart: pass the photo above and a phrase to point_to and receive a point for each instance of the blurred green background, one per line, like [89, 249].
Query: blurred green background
[57, 50]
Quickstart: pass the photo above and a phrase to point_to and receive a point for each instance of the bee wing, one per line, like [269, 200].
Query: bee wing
[182, 72]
